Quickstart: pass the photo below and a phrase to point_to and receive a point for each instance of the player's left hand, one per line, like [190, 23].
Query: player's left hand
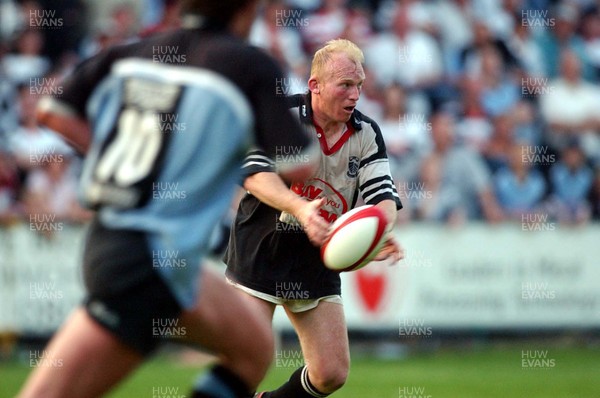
[391, 250]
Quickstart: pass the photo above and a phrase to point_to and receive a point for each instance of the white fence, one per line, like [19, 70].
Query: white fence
[478, 276]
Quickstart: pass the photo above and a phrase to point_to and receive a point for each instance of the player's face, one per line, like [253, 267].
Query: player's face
[340, 89]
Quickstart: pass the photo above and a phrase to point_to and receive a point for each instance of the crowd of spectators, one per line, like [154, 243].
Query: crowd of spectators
[490, 109]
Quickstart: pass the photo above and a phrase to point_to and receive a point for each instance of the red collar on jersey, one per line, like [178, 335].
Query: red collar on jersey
[336, 147]
[306, 116]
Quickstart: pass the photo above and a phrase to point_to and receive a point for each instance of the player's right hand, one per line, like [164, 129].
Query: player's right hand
[315, 227]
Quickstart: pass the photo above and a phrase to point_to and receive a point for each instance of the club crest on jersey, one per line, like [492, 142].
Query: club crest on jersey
[353, 163]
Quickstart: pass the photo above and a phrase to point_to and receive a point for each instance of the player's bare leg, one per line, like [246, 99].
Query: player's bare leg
[324, 342]
[224, 322]
[86, 359]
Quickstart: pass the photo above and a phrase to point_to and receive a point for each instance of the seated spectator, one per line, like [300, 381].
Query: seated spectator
[464, 170]
[8, 111]
[31, 142]
[499, 94]
[405, 55]
[9, 188]
[571, 109]
[169, 20]
[590, 30]
[25, 61]
[525, 48]
[483, 39]
[594, 196]
[455, 31]
[277, 31]
[496, 151]
[519, 188]
[570, 180]
[406, 134]
[562, 37]
[473, 127]
[52, 189]
[333, 20]
[438, 199]
[371, 98]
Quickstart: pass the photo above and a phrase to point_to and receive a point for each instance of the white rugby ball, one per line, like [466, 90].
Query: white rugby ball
[355, 240]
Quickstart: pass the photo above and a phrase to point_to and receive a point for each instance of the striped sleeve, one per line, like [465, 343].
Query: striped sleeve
[375, 179]
[257, 161]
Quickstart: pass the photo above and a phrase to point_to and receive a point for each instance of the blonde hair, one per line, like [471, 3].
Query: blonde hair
[337, 46]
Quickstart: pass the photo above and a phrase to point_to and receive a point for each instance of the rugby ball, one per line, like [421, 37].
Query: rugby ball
[355, 240]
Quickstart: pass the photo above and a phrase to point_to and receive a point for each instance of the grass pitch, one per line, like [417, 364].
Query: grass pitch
[491, 372]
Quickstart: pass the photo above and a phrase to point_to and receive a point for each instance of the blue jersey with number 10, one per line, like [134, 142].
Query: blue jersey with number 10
[168, 140]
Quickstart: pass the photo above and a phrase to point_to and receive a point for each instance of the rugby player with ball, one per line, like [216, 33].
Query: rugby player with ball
[275, 241]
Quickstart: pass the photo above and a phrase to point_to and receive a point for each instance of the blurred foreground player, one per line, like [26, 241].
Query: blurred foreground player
[112, 109]
[270, 255]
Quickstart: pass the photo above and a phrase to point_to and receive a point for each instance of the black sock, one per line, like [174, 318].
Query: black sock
[221, 382]
[298, 386]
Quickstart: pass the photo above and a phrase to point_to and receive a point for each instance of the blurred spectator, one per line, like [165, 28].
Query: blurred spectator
[25, 61]
[52, 189]
[473, 128]
[170, 19]
[9, 187]
[499, 94]
[519, 188]
[406, 134]
[594, 196]
[498, 16]
[464, 170]
[10, 20]
[453, 23]
[8, 112]
[590, 30]
[125, 21]
[523, 45]
[152, 12]
[483, 40]
[570, 180]
[331, 21]
[277, 31]
[562, 37]
[570, 108]
[496, 151]
[119, 27]
[405, 55]
[421, 15]
[442, 201]
[30, 142]
[370, 100]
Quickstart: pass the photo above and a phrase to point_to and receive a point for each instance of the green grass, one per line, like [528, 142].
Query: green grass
[483, 373]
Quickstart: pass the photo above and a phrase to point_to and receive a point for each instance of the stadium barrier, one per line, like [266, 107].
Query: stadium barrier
[477, 276]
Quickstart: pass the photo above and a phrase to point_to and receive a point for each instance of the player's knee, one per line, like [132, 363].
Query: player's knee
[329, 379]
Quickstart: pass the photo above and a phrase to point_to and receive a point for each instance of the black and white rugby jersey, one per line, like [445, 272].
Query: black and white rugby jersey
[268, 249]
